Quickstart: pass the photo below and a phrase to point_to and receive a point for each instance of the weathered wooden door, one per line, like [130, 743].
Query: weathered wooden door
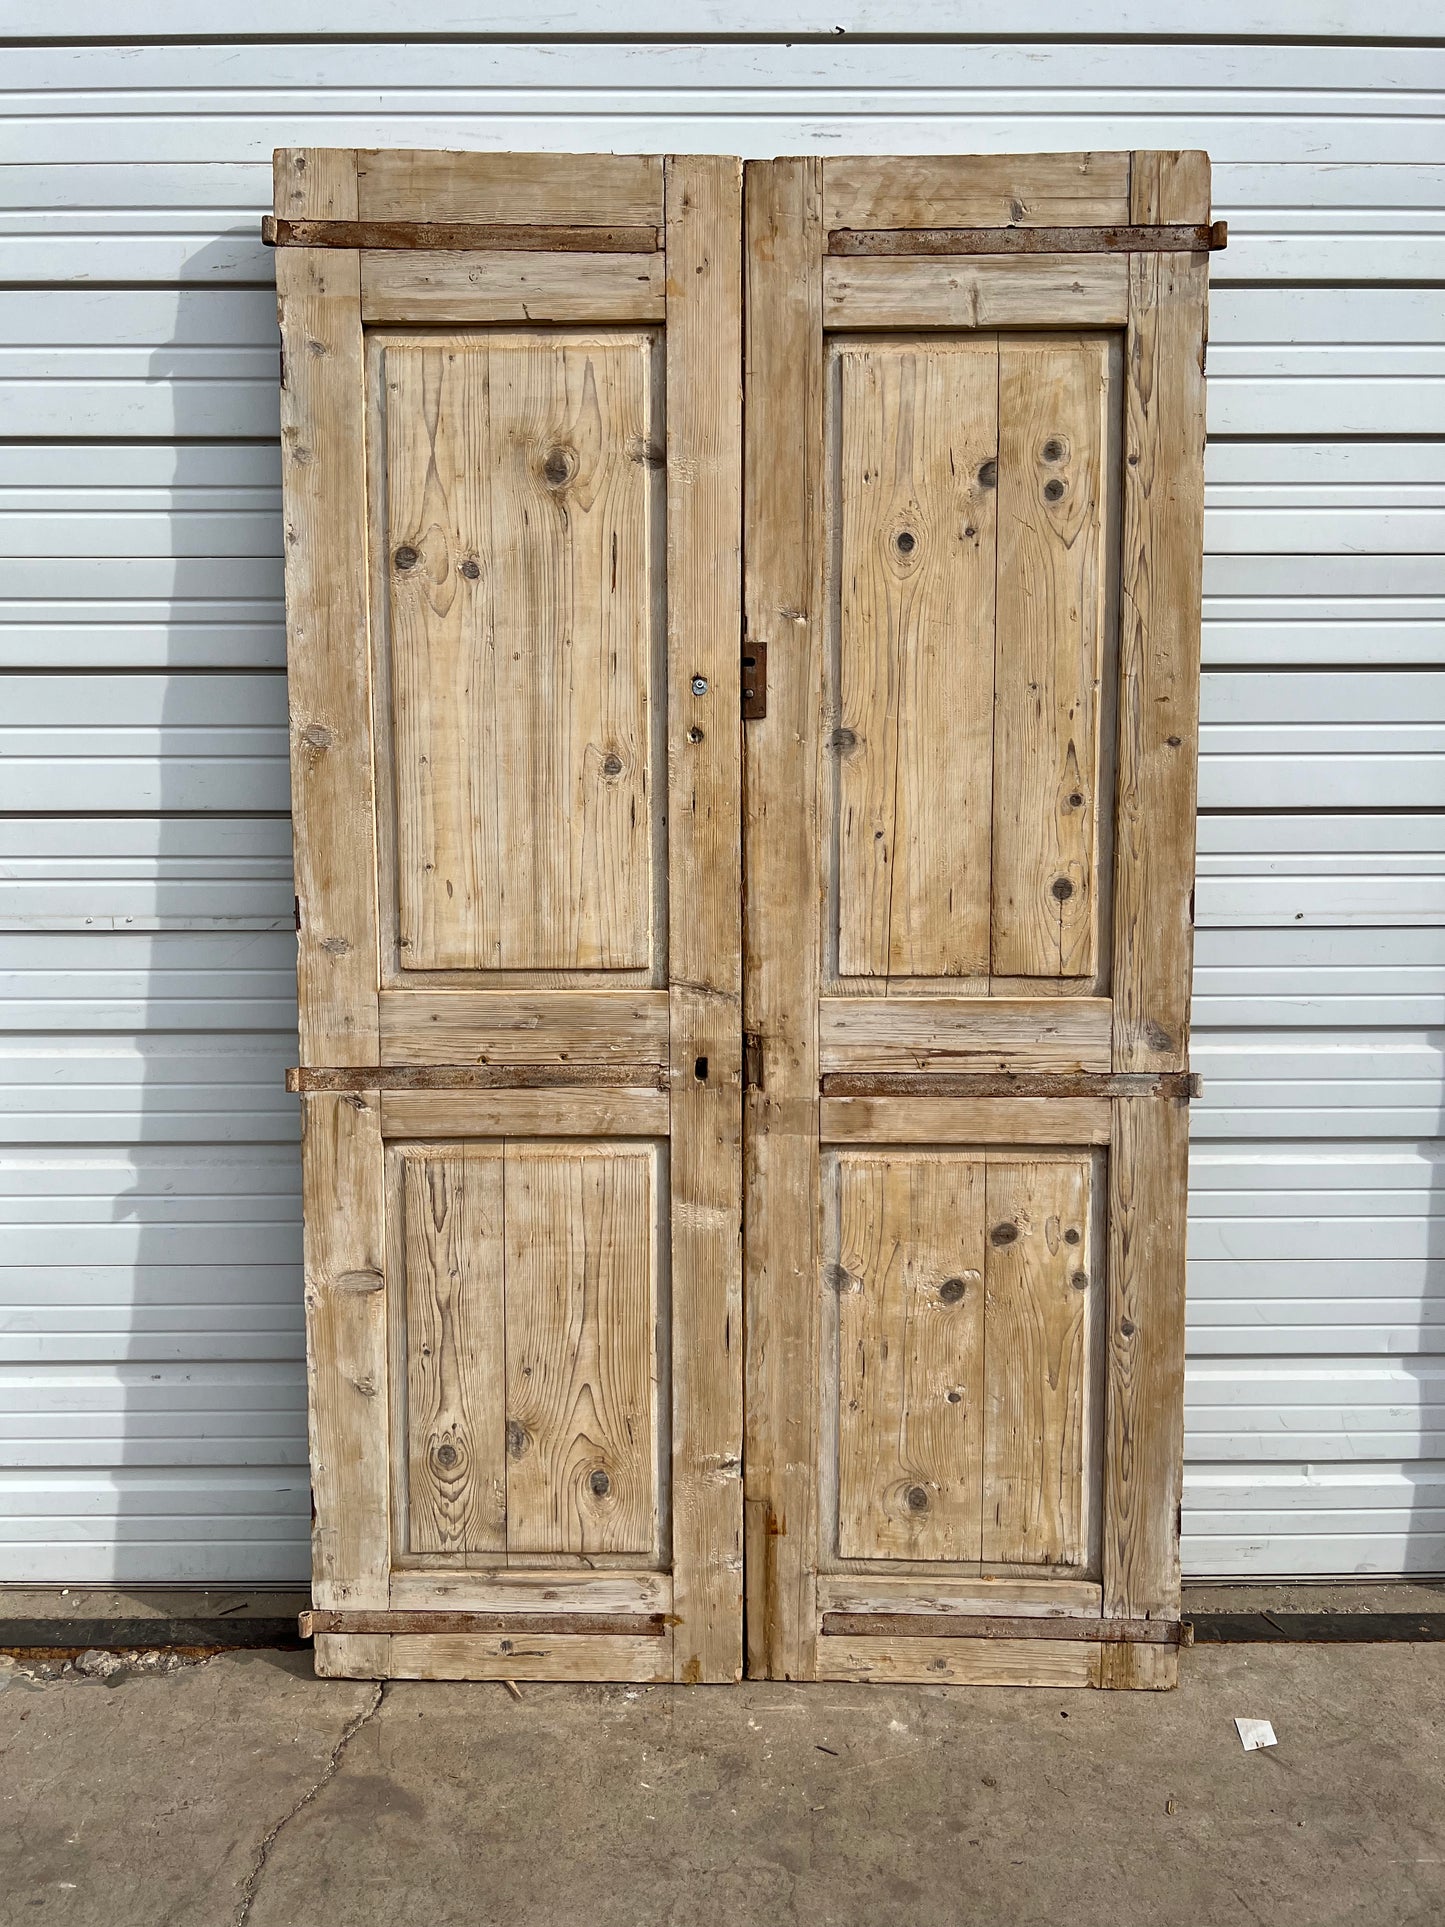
[974, 461]
[512, 458]
[649, 932]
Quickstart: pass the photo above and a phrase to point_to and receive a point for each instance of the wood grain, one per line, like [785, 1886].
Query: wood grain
[1163, 511]
[346, 1350]
[962, 1662]
[519, 529]
[965, 1120]
[581, 1348]
[703, 199]
[558, 1656]
[975, 190]
[588, 190]
[964, 1033]
[1178, 238]
[523, 1027]
[909, 1281]
[1053, 397]
[1037, 1359]
[473, 287]
[1025, 1598]
[1144, 1411]
[917, 445]
[1035, 291]
[783, 499]
[479, 1587]
[553, 1113]
[323, 471]
[456, 1367]
[456, 236]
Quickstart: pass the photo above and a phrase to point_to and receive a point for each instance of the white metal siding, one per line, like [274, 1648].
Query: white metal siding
[151, 1389]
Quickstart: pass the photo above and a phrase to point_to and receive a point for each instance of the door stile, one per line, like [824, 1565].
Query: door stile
[703, 345]
[783, 608]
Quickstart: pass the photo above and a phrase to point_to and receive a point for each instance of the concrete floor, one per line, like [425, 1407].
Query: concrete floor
[245, 1793]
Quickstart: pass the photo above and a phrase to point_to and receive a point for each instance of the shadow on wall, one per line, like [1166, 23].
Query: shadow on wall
[214, 1483]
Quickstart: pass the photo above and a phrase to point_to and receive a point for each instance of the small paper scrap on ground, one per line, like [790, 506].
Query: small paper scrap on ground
[1254, 1733]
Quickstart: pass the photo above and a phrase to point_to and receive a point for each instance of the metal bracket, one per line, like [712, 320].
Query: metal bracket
[755, 681]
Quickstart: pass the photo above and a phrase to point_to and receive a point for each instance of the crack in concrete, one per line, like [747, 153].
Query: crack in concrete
[323, 1780]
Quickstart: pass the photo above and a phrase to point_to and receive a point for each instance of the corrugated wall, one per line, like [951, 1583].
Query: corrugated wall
[151, 1395]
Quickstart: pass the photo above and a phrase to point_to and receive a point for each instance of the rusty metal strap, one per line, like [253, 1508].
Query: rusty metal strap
[454, 236]
[1111, 1632]
[431, 1624]
[1204, 237]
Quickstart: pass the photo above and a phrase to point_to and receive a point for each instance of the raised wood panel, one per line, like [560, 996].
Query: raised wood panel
[1053, 401]
[964, 1033]
[975, 190]
[455, 1365]
[583, 190]
[917, 438]
[469, 286]
[581, 1348]
[909, 1282]
[1030, 291]
[520, 510]
[1037, 1363]
[521, 1027]
[964, 1120]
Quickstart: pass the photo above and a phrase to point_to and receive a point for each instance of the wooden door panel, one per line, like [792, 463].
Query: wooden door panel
[515, 381]
[980, 627]
[522, 499]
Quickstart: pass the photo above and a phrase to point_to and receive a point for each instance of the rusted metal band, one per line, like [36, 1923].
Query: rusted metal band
[1110, 1632]
[640, 1625]
[477, 1077]
[1204, 237]
[1180, 1085]
[458, 236]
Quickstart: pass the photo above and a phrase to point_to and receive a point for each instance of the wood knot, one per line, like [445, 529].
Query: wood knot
[1003, 1235]
[1157, 1038]
[1080, 1281]
[600, 1483]
[317, 736]
[1128, 1327]
[1053, 450]
[988, 475]
[1054, 490]
[471, 570]
[1061, 889]
[1072, 1235]
[916, 1498]
[446, 1456]
[905, 542]
[612, 764]
[843, 739]
[1075, 799]
[951, 1290]
[558, 466]
[406, 557]
[517, 1440]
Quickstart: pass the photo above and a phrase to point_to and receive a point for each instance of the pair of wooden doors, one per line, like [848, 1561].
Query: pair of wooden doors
[743, 645]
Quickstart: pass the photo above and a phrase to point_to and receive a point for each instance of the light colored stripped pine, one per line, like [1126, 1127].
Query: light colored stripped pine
[544, 190]
[468, 288]
[917, 441]
[519, 528]
[581, 1347]
[1053, 434]
[455, 1352]
[909, 1280]
[975, 190]
[1036, 1362]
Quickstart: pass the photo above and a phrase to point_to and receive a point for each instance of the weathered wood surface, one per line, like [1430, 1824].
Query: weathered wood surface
[472, 287]
[962, 1662]
[909, 1282]
[783, 496]
[1148, 1632]
[1177, 238]
[1037, 1363]
[346, 1350]
[1177, 1084]
[455, 1367]
[1159, 630]
[456, 236]
[917, 446]
[965, 1120]
[1053, 401]
[964, 1033]
[481, 1077]
[484, 1586]
[1034, 291]
[975, 190]
[520, 584]
[547, 1113]
[581, 1348]
[323, 469]
[639, 1625]
[640, 1660]
[1043, 1598]
[524, 1027]
[703, 201]
[585, 190]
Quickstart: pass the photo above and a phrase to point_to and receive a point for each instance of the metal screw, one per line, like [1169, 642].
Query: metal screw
[699, 685]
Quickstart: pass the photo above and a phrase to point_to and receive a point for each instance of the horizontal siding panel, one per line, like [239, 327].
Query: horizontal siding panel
[157, 1089]
[1341, 1410]
[202, 1526]
[145, 873]
[1322, 977]
[171, 981]
[1319, 1084]
[153, 1415]
[1282, 1522]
